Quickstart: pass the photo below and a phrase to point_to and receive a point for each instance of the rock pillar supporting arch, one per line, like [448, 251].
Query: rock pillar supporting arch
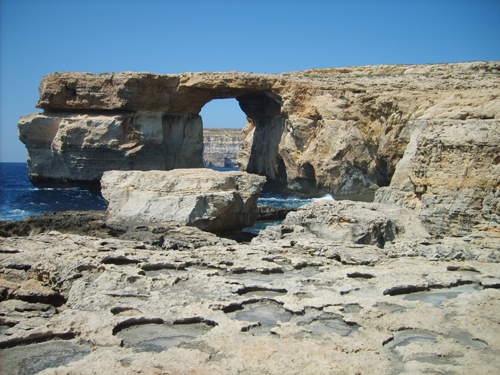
[77, 148]
[262, 136]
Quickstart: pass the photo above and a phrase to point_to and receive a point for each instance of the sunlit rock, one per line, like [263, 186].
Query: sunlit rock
[209, 200]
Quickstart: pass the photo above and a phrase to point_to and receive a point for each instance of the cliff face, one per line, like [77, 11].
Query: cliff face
[76, 148]
[450, 175]
[221, 147]
[340, 131]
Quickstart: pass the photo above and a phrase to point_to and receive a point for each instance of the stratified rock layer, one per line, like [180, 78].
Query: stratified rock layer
[221, 147]
[340, 131]
[75, 149]
[209, 200]
[450, 175]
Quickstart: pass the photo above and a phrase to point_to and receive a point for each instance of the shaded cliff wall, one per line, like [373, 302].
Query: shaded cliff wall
[75, 149]
[340, 131]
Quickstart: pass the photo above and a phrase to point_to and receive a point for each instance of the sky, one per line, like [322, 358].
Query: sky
[38, 37]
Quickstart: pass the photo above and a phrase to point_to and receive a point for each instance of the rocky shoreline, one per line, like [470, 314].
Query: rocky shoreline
[338, 287]
[164, 282]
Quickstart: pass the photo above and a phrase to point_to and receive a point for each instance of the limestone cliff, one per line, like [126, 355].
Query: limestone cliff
[221, 147]
[75, 149]
[450, 175]
[340, 130]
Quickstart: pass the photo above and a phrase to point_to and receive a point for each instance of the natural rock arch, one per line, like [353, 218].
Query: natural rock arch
[338, 131]
[127, 132]
[262, 133]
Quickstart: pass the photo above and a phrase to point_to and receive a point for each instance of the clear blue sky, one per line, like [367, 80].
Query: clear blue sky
[39, 37]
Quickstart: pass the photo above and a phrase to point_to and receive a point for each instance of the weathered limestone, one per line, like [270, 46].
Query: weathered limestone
[209, 200]
[340, 131]
[450, 175]
[348, 222]
[366, 233]
[338, 287]
[201, 304]
[68, 149]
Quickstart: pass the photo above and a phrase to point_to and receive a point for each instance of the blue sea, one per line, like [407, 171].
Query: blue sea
[19, 199]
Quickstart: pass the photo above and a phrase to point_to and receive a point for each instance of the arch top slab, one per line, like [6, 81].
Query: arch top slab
[185, 93]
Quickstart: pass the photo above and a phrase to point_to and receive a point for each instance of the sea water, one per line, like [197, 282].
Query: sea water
[19, 199]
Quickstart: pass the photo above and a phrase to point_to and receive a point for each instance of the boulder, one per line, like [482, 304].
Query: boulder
[209, 200]
[268, 213]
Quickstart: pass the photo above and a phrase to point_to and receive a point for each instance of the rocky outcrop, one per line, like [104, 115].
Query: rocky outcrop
[373, 231]
[272, 213]
[294, 303]
[210, 200]
[91, 223]
[75, 149]
[348, 222]
[340, 131]
[449, 175]
[221, 147]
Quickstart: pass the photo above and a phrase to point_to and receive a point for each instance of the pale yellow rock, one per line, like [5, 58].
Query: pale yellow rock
[307, 319]
[339, 131]
[204, 198]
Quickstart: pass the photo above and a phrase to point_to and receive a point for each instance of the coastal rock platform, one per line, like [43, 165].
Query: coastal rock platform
[329, 291]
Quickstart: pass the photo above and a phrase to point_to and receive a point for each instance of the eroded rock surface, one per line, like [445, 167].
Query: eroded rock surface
[450, 176]
[77, 304]
[75, 149]
[340, 131]
[209, 200]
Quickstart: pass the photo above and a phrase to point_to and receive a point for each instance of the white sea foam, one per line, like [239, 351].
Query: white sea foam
[327, 197]
[289, 201]
[15, 214]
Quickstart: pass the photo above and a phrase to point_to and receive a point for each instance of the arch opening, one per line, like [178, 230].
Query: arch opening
[223, 123]
[260, 137]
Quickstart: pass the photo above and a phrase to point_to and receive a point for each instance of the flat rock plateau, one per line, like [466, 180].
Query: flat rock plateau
[406, 284]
